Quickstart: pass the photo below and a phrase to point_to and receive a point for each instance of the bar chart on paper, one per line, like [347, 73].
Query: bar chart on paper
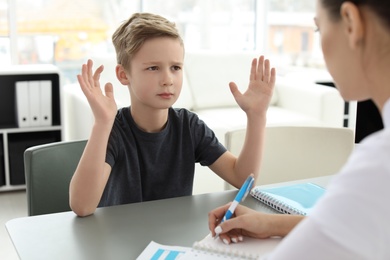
[155, 251]
[166, 254]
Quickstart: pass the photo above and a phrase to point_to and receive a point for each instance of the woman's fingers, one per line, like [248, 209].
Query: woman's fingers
[215, 217]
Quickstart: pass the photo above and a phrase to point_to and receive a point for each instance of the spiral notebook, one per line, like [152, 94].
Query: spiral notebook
[250, 248]
[210, 248]
[297, 199]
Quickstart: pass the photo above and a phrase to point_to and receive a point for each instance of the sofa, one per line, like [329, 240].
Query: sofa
[206, 92]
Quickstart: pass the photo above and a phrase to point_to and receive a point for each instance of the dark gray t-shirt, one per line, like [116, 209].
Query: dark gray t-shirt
[150, 166]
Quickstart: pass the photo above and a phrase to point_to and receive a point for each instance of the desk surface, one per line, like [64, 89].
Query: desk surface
[122, 232]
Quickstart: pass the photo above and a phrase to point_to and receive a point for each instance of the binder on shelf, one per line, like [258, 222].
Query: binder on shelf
[34, 100]
[45, 103]
[22, 103]
[2, 166]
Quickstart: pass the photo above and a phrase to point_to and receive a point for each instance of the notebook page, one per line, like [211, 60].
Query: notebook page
[250, 248]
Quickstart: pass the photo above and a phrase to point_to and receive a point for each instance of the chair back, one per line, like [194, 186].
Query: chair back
[48, 171]
[298, 152]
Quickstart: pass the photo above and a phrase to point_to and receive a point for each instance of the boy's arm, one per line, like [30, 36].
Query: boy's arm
[254, 101]
[91, 175]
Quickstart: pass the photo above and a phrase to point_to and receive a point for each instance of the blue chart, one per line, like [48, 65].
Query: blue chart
[156, 251]
[164, 254]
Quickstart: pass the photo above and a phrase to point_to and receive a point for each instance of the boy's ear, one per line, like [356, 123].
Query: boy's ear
[121, 75]
[353, 23]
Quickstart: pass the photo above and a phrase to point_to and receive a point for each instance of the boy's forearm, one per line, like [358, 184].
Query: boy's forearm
[249, 160]
[89, 179]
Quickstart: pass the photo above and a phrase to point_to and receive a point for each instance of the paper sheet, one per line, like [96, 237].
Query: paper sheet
[156, 251]
[210, 248]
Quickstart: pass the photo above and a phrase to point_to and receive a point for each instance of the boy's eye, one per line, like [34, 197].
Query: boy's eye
[153, 68]
[176, 68]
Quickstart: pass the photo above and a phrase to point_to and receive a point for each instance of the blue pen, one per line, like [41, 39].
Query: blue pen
[241, 195]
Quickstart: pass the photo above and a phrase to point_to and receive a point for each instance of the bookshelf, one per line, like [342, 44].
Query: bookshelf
[15, 137]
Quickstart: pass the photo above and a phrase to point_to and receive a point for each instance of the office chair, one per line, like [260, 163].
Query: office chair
[297, 152]
[48, 171]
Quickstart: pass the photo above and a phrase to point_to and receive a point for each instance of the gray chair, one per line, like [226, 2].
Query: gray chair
[48, 171]
[297, 152]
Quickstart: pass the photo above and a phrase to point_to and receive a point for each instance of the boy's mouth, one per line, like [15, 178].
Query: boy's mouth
[165, 95]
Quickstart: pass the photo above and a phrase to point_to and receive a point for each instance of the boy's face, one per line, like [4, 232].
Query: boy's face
[156, 74]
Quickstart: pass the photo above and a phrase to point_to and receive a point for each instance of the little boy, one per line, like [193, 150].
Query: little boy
[148, 151]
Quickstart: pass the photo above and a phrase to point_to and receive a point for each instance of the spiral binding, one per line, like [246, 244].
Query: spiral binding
[275, 203]
[226, 253]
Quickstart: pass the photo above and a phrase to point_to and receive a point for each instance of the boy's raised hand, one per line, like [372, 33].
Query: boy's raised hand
[103, 106]
[259, 93]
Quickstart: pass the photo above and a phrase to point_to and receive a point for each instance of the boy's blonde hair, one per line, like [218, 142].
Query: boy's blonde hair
[140, 27]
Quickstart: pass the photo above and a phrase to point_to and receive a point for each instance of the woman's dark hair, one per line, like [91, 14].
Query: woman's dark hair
[380, 7]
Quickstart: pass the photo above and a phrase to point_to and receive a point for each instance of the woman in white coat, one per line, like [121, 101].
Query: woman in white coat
[352, 220]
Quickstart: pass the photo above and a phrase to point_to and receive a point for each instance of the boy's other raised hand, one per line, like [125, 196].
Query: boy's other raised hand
[261, 84]
[103, 106]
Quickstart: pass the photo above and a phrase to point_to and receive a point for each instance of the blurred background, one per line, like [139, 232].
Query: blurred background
[67, 32]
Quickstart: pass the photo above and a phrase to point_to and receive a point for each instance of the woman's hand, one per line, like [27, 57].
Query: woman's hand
[248, 222]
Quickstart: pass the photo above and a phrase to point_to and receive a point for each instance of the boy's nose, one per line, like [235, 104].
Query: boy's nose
[168, 83]
[167, 80]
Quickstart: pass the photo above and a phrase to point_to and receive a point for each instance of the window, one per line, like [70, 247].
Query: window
[5, 52]
[291, 37]
[213, 25]
[67, 32]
